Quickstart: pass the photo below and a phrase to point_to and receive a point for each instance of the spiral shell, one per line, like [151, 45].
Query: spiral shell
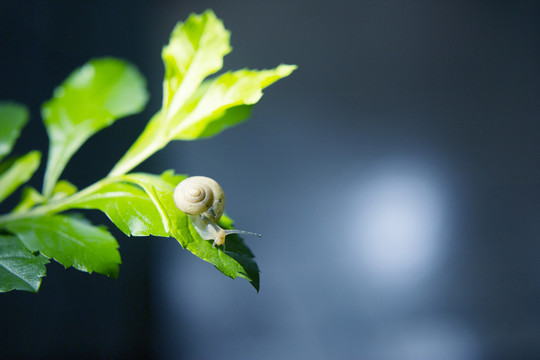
[199, 195]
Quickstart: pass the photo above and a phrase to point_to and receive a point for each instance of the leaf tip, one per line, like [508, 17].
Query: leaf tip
[284, 70]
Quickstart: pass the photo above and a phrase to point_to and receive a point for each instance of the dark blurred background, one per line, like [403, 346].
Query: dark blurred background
[395, 177]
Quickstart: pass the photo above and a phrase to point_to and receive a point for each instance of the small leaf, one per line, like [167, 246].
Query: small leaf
[15, 172]
[19, 268]
[90, 99]
[13, 117]
[71, 241]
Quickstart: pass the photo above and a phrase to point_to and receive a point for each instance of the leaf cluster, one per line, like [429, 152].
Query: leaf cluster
[43, 225]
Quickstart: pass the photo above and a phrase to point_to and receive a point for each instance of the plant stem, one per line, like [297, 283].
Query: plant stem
[57, 206]
[124, 167]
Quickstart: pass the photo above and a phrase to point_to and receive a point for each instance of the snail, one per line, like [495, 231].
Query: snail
[203, 200]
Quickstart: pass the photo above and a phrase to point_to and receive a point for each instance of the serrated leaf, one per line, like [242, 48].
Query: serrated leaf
[224, 101]
[142, 204]
[195, 50]
[90, 99]
[222, 120]
[13, 117]
[17, 171]
[71, 241]
[127, 206]
[193, 107]
[236, 260]
[19, 268]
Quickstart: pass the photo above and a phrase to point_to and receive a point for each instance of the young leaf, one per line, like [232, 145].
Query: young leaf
[71, 241]
[195, 50]
[19, 268]
[12, 119]
[193, 108]
[90, 99]
[224, 101]
[15, 172]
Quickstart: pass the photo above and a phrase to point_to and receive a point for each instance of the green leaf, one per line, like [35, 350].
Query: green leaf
[224, 101]
[19, 268]
[90, 99]
[237, 260]
[194, 107]
[72, 241]
[195, 50]
[127, 206]
[13, 117]
[223, 120]
[15, 172]
[142, 204]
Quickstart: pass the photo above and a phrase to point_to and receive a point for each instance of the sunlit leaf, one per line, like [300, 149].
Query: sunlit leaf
[72, 241]
[193, 107]
[90, 99]
[236, 260]
[224, 101]
[127, 206]
[195, 50]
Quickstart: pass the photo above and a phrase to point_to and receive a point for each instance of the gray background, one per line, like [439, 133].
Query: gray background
[394, 176]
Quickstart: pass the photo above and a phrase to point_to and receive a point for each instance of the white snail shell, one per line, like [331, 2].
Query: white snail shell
[203, 200]
[200, 195]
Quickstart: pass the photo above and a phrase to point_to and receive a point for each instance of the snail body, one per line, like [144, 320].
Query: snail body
[203, 201]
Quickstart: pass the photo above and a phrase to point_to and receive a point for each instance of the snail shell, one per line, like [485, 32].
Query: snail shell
[200, 195]
[203, 200]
